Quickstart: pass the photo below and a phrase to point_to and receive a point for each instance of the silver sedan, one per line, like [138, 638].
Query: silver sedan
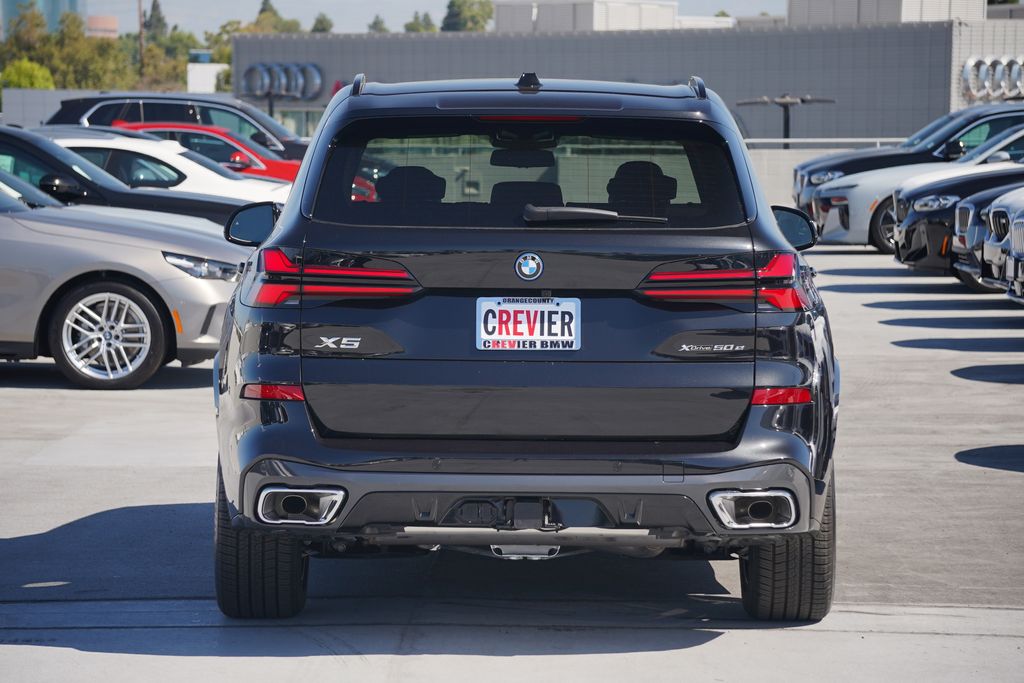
[110, 294]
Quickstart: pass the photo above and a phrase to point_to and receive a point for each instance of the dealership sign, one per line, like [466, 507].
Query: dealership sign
[992, 78]
[295, 81]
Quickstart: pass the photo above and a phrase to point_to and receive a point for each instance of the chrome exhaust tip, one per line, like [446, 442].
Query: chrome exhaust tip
[304, 507]
[772, 509]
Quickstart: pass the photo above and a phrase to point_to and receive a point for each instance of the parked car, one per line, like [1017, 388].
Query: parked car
[969, 233]
[944, 139]
[864, 212]
[630, 359]
[926, 210]
[110, 294]
[1001, 217]
[71, 178]
[249, 122]
[164, 164]
[224, 147]
[1013, 270]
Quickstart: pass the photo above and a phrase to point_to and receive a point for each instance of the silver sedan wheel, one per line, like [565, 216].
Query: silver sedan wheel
[106, 336]
[888, 225]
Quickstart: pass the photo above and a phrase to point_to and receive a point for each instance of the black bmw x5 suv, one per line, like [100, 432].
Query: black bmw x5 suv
[569, 321]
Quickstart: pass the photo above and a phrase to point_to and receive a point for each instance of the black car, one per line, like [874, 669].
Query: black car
[969, 232]
[71, 178]
[570, 322]
[926, 212]
[944, 139]
[247, 121]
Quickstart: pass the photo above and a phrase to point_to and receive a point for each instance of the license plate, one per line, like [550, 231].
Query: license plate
[513, 323]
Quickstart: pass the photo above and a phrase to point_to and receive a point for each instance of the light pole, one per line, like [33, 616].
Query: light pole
[787, 102]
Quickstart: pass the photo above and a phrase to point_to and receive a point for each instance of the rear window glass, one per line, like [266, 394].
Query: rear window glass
[473, 172]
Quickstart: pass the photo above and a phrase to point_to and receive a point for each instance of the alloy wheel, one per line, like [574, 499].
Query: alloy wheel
[106, 336]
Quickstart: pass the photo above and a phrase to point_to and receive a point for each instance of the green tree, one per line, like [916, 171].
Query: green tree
[24, 73]
[721, 13]
[155, 23]
[420, 24]
[269, 20]
[378, 25]
[80, 61]
[467, 15]
[322, 24]
[27, 35]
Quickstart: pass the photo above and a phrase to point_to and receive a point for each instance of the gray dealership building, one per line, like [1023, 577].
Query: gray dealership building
[887, 79]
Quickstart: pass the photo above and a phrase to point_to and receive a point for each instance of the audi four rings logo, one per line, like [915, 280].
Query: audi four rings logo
[529, 266]
[298, 81]
[992, 78]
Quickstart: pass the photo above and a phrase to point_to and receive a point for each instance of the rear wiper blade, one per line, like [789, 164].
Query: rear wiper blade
[570, 214]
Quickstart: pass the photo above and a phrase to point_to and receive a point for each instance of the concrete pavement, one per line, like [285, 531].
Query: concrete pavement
[105, 541]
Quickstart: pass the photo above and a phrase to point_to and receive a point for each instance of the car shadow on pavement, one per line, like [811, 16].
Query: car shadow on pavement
[138, 580]
[45, 375]
[872, 272]
[977, 304]
[1004, 374]
[1009, 458]
[980, 345]
[942, 287]
[965, 322]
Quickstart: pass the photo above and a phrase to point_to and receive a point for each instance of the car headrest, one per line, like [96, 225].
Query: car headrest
[410, 184]
[641, 181]
[523, 193]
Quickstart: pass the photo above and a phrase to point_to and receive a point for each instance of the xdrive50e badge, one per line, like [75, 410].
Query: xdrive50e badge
[529, 266]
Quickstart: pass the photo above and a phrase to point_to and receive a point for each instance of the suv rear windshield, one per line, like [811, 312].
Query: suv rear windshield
[483, 171]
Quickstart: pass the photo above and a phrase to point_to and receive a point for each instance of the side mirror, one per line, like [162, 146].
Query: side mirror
[997, 157]
[251, 224]
[238, 162]
[954, 150]
[796, 226]
[61, 187]
[260, 138]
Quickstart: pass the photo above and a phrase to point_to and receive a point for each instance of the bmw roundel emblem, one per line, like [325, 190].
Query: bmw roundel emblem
[529, 266]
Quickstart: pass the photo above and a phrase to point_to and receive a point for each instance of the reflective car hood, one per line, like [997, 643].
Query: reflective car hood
[135, 228]
[883, 180]
[825, 162]
[913, 184]
[1012, 202]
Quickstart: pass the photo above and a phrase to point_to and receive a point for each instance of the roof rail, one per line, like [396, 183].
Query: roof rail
[698, 87]
[358, 83]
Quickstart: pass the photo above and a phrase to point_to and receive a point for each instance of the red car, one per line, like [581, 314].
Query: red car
[224, 147]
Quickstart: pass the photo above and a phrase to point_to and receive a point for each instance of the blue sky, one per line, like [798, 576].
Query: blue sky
[351, 16]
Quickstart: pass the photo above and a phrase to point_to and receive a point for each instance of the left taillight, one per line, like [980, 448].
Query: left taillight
[774, 282]
[282, 279]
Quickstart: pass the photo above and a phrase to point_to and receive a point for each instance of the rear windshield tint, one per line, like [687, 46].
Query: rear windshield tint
[474, 172]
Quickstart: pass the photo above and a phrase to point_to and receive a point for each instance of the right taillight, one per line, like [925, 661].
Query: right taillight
[775, 283]
[282, 279]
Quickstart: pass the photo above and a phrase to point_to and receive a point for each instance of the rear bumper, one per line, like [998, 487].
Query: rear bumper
[636, 511]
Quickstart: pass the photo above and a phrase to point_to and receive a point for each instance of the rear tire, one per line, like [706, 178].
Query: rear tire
[258, 575]
[975, 284]
[793, 579]
[883, 221]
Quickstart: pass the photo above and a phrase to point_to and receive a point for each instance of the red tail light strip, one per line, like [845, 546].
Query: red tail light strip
[780, 267]
[273, 392]
[347, 290]
[276, 262]
[687, 294]
[780, 396]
